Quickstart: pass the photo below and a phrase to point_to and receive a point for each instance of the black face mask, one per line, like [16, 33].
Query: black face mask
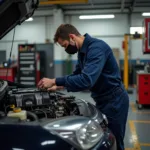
[71, 49]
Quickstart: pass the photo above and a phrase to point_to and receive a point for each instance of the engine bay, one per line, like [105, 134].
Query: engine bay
[42, 103]
[38, 104]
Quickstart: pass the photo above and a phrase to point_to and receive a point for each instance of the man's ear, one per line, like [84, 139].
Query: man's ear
[72, 36]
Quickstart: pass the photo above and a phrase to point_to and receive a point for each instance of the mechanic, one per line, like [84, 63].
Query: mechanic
[96, 70]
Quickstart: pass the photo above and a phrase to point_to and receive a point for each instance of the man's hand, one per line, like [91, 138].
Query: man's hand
[55, 88]
[46, 83]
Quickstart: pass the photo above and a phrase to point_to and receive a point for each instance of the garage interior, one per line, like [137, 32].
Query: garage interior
[127, 32]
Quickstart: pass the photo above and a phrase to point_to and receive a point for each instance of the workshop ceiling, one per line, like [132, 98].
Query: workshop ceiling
[95, 6]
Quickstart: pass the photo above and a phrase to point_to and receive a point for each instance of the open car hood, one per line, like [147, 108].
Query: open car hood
[14, 12]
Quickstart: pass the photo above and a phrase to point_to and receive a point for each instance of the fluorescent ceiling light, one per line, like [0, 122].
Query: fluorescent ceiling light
[97, 17]
[146, 14]
[30, 19]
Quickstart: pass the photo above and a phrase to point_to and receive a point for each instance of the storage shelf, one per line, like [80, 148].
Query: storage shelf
[27, 64]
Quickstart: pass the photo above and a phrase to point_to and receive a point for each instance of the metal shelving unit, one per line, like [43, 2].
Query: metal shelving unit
[27, 64]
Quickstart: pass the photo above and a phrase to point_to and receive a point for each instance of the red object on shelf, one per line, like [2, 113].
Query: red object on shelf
[10, 76]
[143, 88]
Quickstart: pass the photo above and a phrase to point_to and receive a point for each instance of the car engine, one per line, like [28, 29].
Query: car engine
[39, 104]
[43, 103]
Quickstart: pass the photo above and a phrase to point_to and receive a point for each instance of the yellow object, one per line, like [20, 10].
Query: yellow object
[127, 37]
[22, 115]
[53, 2]
[134, 136]
[17, 109]
[126, 62]
[12, 106]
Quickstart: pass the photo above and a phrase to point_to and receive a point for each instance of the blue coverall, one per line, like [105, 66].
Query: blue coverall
[98, 71]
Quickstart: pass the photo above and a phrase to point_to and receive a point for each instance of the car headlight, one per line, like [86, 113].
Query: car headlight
[81, 132]
[89, 134]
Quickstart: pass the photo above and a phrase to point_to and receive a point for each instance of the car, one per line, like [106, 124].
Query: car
[34, 119]
[53, 121]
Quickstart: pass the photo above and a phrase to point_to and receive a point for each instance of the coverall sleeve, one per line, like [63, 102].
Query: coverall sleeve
[77, 69]
[93, 67]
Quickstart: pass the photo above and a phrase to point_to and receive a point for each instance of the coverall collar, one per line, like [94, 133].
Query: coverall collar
[85, 43]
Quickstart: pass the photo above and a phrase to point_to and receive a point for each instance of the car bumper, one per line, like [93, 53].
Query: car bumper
[108, 142]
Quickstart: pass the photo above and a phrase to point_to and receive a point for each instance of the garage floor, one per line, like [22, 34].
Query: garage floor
[138, 125]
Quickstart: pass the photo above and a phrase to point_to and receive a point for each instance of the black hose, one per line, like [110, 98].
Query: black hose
[32, 115]
[42, 112]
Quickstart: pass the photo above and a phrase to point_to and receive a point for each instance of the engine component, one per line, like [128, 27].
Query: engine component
[22, 114]
[2, 114]
[32, 116]
[42, 103]
[3, 88]
[28, 97]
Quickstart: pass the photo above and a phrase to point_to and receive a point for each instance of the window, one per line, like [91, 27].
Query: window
[133, 30]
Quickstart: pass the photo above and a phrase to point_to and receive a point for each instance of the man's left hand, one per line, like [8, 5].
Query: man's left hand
[46, 83]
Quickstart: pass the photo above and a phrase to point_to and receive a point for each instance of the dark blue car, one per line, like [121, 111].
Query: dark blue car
[62, 122]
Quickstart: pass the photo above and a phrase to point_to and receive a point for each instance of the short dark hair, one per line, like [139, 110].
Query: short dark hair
[63, 32]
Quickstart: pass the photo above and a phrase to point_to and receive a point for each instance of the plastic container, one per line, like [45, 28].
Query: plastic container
[22, 114]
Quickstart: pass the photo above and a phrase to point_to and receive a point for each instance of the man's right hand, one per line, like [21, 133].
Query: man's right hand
[55, 88]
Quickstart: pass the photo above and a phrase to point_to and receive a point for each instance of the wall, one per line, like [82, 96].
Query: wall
[36, 31]
[109, 30]
[136, 45]
[112, 32]
[28, 32]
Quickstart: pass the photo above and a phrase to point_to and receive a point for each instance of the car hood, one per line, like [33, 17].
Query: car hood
[13, 13]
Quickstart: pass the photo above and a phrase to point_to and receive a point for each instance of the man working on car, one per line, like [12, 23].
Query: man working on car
[96, 70]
